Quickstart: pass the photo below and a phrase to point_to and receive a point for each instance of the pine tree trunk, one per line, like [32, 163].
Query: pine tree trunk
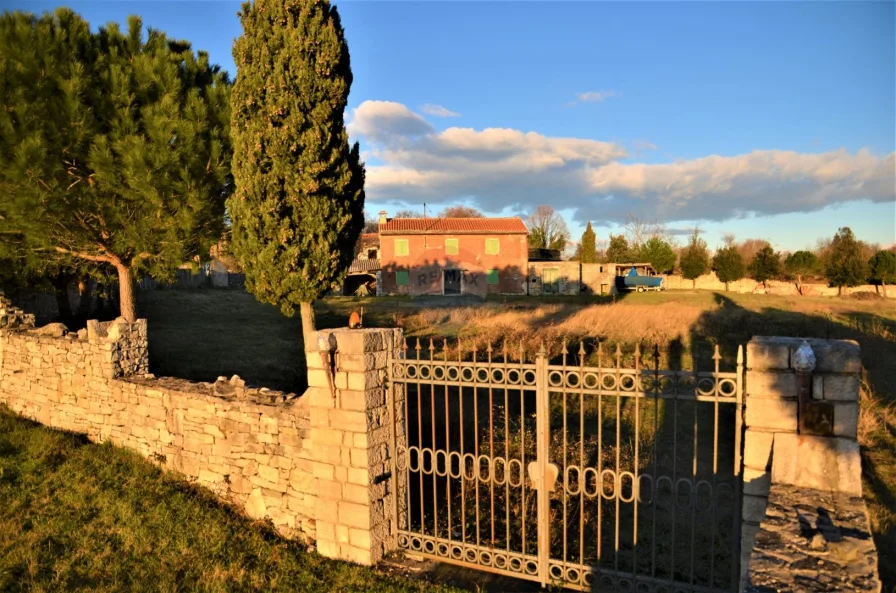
[694, 284]
[840, 291]
[126, 299]
[308, 327]
[86, 298]
[884, 284]
[799, 285]
[726, 287]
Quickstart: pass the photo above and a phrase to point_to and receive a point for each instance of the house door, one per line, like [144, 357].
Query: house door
[452, 281]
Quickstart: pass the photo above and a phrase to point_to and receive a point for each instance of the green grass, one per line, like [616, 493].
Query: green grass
[76, 516]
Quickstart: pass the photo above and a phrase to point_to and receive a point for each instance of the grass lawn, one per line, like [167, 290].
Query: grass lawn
[201, 334]
[76, 516]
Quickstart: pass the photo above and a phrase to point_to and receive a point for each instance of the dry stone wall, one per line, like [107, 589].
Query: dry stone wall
[249, 446]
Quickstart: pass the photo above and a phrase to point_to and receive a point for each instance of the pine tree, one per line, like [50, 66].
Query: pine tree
[844, 264]
[800, 264]
[766, 265]
[115, 150]
[729, 264]
[882, 266]
[619, 252]
[588, 246]
[694, 258]
[659, 253]
[298, 207]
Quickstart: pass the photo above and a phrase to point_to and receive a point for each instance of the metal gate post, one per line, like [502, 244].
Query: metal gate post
[543, 441]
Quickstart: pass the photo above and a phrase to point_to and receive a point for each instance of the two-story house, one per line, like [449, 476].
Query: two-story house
[453, 256]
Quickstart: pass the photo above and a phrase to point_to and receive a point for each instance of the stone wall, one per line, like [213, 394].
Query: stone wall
[746, 285]
[315, 465]
[802, 506]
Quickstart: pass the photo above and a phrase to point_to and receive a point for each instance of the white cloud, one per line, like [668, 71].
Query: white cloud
[384, 121]
[593, 97]
[438, 110]
[498, 168]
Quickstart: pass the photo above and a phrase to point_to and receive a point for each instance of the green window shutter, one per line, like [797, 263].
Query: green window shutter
[492, 246]
[492, 277]
[401, 247]
[401, 277]
[451, 247]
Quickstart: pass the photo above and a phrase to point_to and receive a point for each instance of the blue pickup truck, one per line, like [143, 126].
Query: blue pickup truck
[635, 281]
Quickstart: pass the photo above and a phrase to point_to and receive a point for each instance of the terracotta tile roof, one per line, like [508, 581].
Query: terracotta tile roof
[472, 226]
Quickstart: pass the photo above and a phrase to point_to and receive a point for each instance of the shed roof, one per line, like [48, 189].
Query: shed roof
[459, 226]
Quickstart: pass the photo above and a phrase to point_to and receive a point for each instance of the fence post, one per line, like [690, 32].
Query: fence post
[543, 440]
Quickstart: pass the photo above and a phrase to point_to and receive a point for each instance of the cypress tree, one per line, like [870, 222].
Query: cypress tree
[298, 207]
[588, 247]
[115, 151]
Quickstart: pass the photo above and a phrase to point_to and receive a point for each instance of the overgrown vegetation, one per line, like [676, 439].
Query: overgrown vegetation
[76, 516]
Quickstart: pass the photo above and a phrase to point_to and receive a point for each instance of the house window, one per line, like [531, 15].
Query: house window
[492, 277]
[451, 247]
[371, 254]
[401, 247]
[401, 276]
[492, 247]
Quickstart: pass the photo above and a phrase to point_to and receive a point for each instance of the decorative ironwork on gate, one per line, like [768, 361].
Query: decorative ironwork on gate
[615, 475]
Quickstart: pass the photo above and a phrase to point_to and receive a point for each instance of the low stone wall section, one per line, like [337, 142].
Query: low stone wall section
[250, 446]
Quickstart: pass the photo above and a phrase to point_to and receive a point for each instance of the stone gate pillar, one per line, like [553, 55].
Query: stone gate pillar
[823, 455]
[350, 436]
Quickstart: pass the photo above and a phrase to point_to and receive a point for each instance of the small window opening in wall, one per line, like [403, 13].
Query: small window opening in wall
[451, 247]
[401, 247]
[401, 277]
[492, 246]
[371, 254]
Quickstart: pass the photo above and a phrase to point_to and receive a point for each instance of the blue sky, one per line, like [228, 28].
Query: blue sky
[768, 120]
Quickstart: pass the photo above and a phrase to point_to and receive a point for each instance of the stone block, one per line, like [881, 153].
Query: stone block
[362, 381]
[772, 384]
[771, 414]
[318, 378]
[837, 356]
[357, 555]
[758, 449]
[342, 534]
[767, 353]
[822, 463]
[255, 506]
[360, 341]
[754, 508]
[354, 515]
[363, 362]
[350, 420]
[757, 482]
[817, 386]
[328, 548]
[841, 387]
[846, 420]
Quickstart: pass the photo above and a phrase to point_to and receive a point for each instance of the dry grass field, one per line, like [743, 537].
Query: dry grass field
[202, 334]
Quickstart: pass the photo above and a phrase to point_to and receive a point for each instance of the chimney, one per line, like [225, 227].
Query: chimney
[382, 217]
